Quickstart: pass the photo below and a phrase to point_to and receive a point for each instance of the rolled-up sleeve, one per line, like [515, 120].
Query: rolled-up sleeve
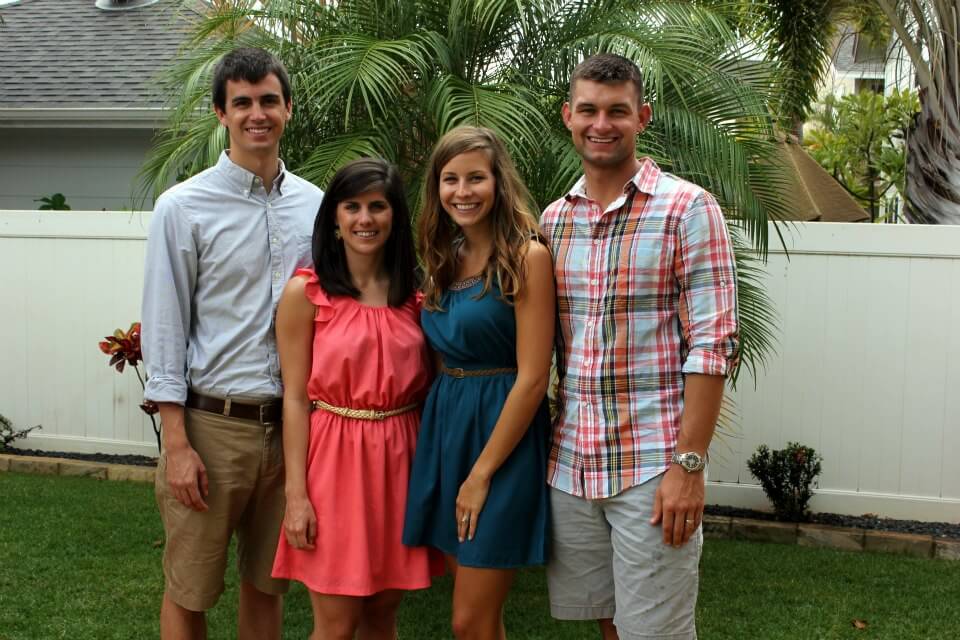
[706, 273]
[169, 281]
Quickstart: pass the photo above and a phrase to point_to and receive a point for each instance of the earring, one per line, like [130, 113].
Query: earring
[337, 234]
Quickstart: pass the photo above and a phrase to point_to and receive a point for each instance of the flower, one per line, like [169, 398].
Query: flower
[123, 347]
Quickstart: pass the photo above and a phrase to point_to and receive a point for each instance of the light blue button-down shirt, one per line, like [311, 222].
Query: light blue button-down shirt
[219, 251]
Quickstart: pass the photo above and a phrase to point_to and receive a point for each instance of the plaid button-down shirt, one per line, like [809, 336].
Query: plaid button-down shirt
[646, 293]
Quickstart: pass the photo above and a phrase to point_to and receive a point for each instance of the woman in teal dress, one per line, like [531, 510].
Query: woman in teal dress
[478, 484]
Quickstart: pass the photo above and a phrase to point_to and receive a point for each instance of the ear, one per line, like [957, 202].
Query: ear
[644, 116]
[289, 110]
[566, 114]
[221, 115]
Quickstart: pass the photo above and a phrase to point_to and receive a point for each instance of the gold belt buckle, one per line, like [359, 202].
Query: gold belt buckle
[379, 415]
[456, 372]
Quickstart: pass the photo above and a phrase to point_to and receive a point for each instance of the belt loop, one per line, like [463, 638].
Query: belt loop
[226, 407]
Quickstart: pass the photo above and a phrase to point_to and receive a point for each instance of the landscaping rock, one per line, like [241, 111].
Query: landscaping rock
[716, 526]
[42, 466]
[947, 549]
[130, 474]
[89, 469]
[903, 543]
[763, 531]
[811, 535]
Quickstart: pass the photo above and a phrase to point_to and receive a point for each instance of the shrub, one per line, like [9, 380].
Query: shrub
[8, 434]
[786, 476]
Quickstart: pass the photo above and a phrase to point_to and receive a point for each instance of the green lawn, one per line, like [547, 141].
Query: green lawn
[80, 558]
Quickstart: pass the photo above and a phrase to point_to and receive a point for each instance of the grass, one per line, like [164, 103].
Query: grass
[80, 558]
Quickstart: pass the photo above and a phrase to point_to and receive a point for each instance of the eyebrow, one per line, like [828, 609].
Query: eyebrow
[262, 97]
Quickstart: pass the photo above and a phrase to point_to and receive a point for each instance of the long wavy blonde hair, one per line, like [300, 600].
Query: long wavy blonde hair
[514, 224]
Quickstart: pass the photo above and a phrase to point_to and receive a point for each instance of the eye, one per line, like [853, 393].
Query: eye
[378, 206]
[350, 206]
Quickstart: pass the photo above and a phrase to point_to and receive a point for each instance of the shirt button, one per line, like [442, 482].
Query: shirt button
[593, 283]
[276, 275]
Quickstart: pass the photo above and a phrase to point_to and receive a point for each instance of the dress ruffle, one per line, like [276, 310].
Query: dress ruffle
[315, 294]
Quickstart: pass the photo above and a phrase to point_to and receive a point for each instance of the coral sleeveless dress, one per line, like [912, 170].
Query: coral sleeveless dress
[477, 333]
[358, 470]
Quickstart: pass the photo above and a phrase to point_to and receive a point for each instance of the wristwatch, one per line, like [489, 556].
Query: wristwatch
[690, 461]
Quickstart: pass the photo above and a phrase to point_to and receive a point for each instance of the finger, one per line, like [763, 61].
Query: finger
[657, 507]
[689, 526]
[196, 502]
[462, 522]
[678, 527]
[666, 519]
[311, 533]
[204, 483]
[474, 517]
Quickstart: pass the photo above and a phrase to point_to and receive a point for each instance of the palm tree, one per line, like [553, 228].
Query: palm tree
[388, 77]
[928, 30]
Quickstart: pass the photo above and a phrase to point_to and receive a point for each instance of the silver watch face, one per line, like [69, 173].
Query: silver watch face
[690, 461]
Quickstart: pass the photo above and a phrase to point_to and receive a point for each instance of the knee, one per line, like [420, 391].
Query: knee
[468, 622]
[335, 629]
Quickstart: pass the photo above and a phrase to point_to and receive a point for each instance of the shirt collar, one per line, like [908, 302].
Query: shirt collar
[244, 180]
[644, 180]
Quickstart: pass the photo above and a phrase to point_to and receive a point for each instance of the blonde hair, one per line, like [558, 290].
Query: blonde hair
[514, 225]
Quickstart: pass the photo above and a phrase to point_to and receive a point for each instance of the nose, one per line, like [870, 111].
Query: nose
[256, 111]
[463, 188]
[601, 121]
[364, 216]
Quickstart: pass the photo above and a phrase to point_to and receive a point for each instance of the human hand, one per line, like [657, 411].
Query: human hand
[470, 500]
[187, 477]
[300, 523]
[678, 504]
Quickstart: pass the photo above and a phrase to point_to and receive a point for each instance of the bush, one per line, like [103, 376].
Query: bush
[8, 434]
[786, 476]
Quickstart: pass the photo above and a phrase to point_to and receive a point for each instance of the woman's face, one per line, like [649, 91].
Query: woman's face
[468, 188]
[365, 221]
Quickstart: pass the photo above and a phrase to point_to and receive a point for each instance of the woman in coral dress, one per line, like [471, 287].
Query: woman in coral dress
[355, 371]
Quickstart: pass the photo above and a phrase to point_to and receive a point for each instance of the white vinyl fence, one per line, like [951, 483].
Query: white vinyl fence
[867, 373]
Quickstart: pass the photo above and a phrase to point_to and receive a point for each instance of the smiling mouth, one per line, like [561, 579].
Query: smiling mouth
[466, 207]
[365, 234]
[258, 130]
[600, 140]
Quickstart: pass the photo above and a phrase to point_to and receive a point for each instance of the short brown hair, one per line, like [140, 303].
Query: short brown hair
[608, 68]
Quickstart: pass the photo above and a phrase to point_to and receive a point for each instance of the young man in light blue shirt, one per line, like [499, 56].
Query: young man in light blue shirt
[220, 248]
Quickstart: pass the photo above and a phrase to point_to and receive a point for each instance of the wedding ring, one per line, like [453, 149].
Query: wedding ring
[689, 520]
[465, 518]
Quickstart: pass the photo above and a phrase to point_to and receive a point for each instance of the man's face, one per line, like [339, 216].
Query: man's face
[604, 120]
[255, 115]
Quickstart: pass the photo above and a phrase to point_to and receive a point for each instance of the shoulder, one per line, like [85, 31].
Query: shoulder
[683, 192]
[539, 263]
[176, 199]
[554, 210]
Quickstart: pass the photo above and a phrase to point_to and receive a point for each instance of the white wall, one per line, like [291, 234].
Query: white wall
[93, 168]
[868, 370]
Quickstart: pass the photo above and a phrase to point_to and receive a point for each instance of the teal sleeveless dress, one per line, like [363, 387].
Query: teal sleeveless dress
[458, 417]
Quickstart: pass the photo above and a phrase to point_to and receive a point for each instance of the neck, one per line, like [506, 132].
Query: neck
[365, 270]
[478, 240]
[605, 184]
[265, 165]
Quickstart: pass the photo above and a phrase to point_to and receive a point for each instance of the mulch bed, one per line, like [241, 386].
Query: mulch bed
[866, 521]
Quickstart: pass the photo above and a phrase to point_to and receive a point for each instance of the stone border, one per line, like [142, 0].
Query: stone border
[714, 527]
[818, 535]
[65, 467]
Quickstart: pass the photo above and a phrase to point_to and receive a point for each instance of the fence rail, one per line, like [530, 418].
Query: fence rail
[868, 369]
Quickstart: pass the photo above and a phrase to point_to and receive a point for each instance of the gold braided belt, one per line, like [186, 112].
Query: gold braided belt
[362, 414]
[457, 372]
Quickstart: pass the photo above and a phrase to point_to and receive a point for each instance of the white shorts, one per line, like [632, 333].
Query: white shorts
[609, 562]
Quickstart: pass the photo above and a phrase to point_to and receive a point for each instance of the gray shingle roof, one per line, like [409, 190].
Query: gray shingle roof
[70, 54]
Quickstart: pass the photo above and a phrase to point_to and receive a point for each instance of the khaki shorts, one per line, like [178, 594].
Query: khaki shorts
[610, 562]
[244, 462]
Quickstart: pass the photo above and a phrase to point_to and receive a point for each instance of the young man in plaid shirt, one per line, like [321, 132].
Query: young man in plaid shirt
[646, 293]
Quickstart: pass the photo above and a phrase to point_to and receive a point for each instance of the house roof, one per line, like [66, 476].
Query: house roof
[67, 56]
[813, 194]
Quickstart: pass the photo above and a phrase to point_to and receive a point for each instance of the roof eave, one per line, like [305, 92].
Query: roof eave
[84, 117]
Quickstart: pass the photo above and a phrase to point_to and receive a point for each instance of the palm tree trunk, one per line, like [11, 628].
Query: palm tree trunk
[933, 169]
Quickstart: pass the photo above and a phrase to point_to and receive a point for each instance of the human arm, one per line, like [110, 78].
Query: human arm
[169, 283]
[535, 303]
[706, 274]
[295, 347]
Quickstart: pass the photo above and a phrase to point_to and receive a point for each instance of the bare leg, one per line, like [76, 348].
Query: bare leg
[478, 597]
[177, 623]
[335, 617]
[607, 630]
[379, 618]
[260, 614]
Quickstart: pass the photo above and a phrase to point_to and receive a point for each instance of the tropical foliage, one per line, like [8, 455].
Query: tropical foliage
[859, 139]
[929, 32]
[388, 77]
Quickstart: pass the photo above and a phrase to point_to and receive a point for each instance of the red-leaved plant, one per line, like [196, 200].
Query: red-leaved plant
[123, 347]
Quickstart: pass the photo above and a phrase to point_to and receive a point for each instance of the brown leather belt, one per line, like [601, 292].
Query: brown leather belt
[457, 372]
[269, 412]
